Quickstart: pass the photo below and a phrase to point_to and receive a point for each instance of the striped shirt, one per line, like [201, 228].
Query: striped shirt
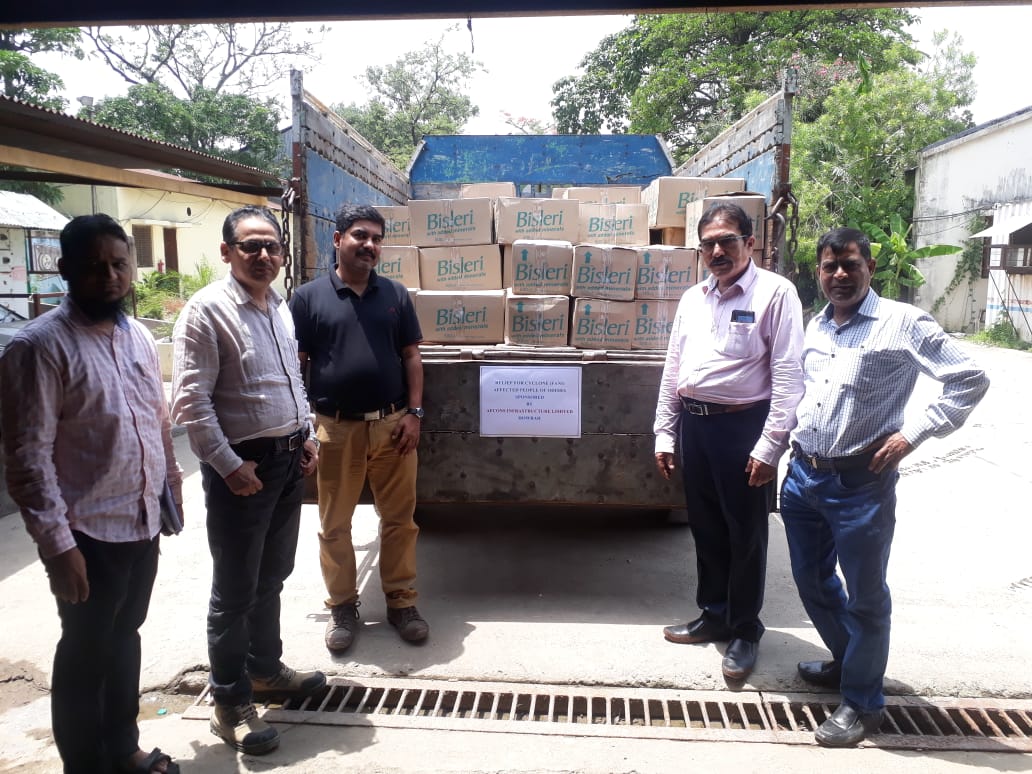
[716, 358]
[860, 375]
[86, 431]
[236, 374]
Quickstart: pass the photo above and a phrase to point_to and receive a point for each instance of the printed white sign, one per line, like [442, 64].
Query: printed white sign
[527, 401]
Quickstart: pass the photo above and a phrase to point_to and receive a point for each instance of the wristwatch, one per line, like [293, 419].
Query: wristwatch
[417, 412]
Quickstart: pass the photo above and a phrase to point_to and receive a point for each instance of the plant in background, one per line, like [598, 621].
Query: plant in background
[896, 267]
[161, 296]
[1002, 333]
[969, 267]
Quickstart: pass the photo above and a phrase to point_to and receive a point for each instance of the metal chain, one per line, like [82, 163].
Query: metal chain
[286, 211]
[793, 226]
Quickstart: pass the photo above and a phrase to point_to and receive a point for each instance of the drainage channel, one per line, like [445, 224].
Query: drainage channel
[911, 723]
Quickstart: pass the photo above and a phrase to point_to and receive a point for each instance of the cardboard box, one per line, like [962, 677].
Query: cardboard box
[667, 197]
[401, 263]
[754, 204]
[653, 322]
[398, 228]
[600, 323]
[538, 266]
[486, 190]
[664, 271]
[603, 194]
[469, 267]
[524, 218]
[614, 224]
[451, 222]
[537, 320]
[604, 271]
[461, 317]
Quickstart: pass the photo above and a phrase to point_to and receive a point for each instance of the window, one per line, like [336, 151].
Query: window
[144, 246]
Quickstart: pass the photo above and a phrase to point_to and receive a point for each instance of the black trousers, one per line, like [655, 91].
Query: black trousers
[95, 692]
[728, 518]
[252, 540]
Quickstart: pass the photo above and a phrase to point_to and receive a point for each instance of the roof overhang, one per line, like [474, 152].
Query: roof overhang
[64, 14]
[39, 139]
[1007, 226]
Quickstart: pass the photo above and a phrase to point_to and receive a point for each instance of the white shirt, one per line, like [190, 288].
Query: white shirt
[714, 358]
[236, 374]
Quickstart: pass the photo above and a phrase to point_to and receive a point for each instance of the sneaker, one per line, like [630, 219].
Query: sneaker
[409, 623]
[342, 627]
[289, 682]
[240, 727]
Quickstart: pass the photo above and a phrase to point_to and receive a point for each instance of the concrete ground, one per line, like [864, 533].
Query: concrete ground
[575, 597]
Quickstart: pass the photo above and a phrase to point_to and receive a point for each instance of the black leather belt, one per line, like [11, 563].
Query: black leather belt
[283, 443]
[703, 409]
[368, 416]
[833, 464]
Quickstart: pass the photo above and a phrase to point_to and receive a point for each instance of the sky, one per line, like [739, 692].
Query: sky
[523, 57]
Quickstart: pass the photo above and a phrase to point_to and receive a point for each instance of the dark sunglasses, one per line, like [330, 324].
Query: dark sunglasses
[255, 246]
[707, 245]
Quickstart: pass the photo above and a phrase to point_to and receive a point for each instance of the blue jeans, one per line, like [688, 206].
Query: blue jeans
[252, 541]
[846, 518]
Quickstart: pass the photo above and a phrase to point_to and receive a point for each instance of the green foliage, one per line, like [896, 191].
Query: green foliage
[231, 126]
[1002, 333]
[969, 267]
[422, 92]
[161, 296]
[896, 267]
[686, 76]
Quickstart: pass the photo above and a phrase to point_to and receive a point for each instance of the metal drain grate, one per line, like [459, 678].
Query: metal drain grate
[791, 718]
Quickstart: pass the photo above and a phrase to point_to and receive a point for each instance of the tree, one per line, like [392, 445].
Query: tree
[232, 126]
[420, 93]
[850, 165]
[204, 58]
[687, 76]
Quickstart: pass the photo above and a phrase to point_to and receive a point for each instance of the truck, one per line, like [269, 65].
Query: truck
[609, 459]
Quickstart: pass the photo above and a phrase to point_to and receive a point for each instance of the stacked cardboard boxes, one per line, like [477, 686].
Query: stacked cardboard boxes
[579, 269]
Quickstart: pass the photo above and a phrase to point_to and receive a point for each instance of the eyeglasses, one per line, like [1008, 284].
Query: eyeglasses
[707, 245]
[255, 246]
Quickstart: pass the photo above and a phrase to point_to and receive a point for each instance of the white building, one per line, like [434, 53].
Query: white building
[978, 185]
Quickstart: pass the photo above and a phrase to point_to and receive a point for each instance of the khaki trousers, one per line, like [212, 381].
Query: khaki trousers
[351, 452]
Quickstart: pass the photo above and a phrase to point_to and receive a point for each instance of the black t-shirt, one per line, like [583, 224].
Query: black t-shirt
[354, 343]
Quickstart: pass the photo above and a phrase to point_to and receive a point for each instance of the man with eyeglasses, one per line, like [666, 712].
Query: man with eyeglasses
[861, 359]
[238, 391]
[727, 398]
[358, 333]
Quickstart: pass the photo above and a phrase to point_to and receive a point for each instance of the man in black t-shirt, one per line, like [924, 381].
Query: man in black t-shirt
[359, 334]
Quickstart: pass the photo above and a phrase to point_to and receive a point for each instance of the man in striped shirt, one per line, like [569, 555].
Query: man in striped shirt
[88, 449]
[861, 359]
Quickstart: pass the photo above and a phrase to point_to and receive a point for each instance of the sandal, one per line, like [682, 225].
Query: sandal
[148, 764]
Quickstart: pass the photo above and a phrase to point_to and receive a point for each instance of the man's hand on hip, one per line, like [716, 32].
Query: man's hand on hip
[892, 450]
[244, 481]
[760, 473]
[67, 573]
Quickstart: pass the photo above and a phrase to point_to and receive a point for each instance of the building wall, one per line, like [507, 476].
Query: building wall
[978, 173]
[13, 270]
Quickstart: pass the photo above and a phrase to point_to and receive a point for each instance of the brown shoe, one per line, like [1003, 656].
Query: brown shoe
[240, 727]
[289, 682]
[701, 629]
[342, 627]
[409, 623]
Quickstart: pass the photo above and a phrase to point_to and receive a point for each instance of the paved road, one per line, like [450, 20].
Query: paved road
[551, 596]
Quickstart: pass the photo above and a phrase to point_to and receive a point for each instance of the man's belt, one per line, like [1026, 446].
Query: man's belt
[367, 416]
[703, 409]
[282, 443]
[833, 464]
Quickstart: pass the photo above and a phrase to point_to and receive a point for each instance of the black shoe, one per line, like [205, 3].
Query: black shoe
[826, 674]
[847, 727]
[342, 627]
[409, 623]
[739, 659]
[702, 629]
